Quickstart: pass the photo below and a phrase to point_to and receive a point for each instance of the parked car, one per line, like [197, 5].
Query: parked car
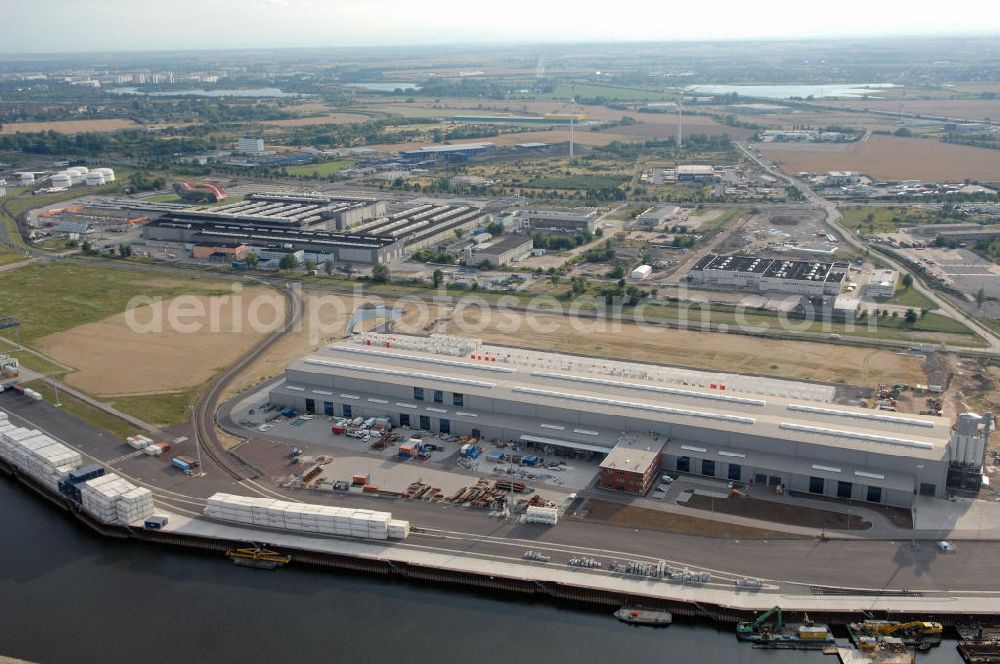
[946, 547]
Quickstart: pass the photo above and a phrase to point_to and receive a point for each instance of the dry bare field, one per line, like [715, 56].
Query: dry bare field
[890, 158]
[821, 118]
[709, 350]
[113, 360]
[297, 343]
[972, 109]
[67, 126]
[704, 350]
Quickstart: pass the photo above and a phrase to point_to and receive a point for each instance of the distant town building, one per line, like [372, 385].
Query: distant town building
[572, 220]
[695, 173]
[641, 272]
[842, 177]
[882, 283]
[658, 214]
[504, 251]
[251, 145]
[457, 152]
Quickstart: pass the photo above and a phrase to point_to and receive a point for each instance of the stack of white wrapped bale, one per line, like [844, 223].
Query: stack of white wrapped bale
[36, 454]
[322, 519]
[111, 499]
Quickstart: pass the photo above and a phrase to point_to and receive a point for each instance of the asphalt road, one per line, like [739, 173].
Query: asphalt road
[788, 564]
[833, 217]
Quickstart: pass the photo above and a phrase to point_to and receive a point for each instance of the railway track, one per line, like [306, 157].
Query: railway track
[203, 417]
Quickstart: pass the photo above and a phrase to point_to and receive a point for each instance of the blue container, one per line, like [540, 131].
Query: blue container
[180, 463]
[239, 265]
[71, 491]
[155, 522]
[84, 473]
[529, 460]
[288, 412]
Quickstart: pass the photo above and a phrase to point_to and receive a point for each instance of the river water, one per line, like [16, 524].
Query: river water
[67, 595]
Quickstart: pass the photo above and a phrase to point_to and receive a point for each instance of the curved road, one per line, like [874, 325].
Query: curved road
[833, 217]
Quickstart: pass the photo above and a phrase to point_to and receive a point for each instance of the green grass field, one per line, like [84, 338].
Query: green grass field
[31, 361]
[324, 169]
[48, 298]
[16, 206]
[581, 181]
[709, 227]
[95, 417]
[910, 297]
[161, 410]
[8, 257]
[885, 220]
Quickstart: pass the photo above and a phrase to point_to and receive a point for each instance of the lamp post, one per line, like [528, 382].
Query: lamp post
[916, 493]
[197, 442]
[55, 388]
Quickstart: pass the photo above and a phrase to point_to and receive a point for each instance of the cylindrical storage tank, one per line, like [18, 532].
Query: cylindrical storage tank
[94, 179]
[109, 174]
[75, 171]
[62, 180]
[82, 170]
[27, 178]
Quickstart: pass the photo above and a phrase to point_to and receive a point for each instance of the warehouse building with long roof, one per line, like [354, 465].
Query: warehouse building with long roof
[645, 418]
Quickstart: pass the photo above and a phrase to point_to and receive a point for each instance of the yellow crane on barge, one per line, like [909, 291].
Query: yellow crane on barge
[258, 556]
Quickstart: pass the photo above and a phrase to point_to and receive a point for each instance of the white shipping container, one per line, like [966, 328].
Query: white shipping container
[544, 515]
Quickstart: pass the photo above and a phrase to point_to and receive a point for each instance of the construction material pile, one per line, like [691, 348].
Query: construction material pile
[484, 494]
[302, 517]
[420, 490]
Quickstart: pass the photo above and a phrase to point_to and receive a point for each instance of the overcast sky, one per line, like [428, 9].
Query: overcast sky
[113, 25]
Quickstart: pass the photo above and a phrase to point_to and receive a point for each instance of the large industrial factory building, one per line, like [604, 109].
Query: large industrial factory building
[343, 230]
[645, 418]
[768, 274]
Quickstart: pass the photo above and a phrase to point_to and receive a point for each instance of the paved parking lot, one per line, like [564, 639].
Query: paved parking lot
[966, 271]
[445, 469]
